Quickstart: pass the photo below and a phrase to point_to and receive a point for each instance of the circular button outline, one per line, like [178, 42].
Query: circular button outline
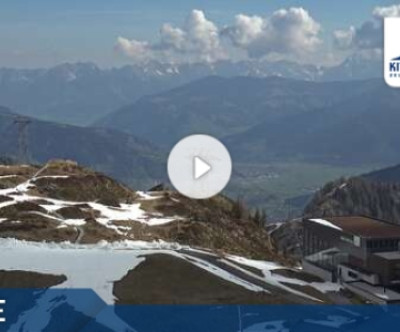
[180, 166]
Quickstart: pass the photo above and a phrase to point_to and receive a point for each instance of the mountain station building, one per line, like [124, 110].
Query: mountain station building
[363, 254]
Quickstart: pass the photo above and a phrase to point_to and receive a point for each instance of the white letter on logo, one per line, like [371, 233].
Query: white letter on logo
[2, 319]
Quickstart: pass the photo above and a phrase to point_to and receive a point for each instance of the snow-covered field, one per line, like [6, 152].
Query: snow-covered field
[84, 268]
[98, 266]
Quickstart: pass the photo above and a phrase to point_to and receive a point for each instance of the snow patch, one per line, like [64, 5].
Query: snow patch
[145, 196]
[50, 177]
[222, 273]
[261, 265]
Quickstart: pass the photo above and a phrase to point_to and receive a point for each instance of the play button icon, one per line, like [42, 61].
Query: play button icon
[199, 166]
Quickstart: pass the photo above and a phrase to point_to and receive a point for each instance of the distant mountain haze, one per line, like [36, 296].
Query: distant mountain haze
[362, 129]
[223, 106]
[274, 119]
[82, 93]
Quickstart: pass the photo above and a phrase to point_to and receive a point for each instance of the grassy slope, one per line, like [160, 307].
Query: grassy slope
[163, 279]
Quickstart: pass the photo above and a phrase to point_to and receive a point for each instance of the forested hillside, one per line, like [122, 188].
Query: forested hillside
[357, 196]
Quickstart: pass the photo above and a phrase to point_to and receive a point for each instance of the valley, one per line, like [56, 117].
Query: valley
[284, 189]
[282, 135]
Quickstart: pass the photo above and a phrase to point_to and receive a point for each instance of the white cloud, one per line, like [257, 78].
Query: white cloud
[295, 30]
[391, 11]
[197, 40]
[344, 39]
[369, 36]
[136, 49]
[245, 30]
[286, 32]
[172, 37]
[202, 35]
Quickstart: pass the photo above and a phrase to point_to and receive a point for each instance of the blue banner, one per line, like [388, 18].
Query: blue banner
[60, 310]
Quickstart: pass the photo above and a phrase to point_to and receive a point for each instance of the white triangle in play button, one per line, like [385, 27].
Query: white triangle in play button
[200, 168]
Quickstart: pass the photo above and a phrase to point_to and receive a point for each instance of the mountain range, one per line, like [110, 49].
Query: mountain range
[82, 93]
[360, 129]
[274, 119]
[225, 106]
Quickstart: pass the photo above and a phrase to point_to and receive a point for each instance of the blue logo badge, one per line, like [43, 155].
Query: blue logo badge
[394, 68]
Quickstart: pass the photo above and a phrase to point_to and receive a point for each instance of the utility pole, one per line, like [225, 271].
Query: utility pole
[22, 124]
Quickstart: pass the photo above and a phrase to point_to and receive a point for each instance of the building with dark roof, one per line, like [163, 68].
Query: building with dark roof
[358, 252]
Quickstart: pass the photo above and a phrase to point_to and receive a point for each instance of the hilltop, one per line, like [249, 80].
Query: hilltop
[65, 225]
[62, 201]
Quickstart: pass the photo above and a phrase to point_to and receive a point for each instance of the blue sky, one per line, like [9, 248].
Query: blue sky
[46, 32]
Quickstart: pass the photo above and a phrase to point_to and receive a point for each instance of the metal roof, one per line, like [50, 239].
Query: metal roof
[365, 227]
[390, 255]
